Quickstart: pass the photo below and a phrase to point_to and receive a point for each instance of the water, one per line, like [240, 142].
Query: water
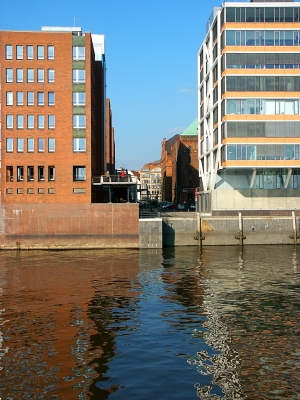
[163, 324]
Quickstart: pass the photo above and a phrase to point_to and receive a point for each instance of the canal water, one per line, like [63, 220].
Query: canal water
[151, 324]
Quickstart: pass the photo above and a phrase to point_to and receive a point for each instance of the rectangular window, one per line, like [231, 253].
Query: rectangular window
[30, 75]
[78, 99]
[19, 52]
[79, 144]
[30, 174]
[41, 122]
[40, 76]
[20, 98]
[9, 121]
[51, 121]
[50, 75]
[20, 122]
[41, 145]
[30, 145]
[19, 75]
[51, 173]
[9, 174]
[50, 52]
[40, 52]
[30, 121]
[9, 75]
[9, 145]
[79, 173]
[78, 53]
[9, 98]
[29, 50]
[78, 121]
[40, 97]
[51, 99]
[30, 98]
[51, 145]
[20, 145]
[20, 174]
[8, 52]
[78, 76]
[41, 173]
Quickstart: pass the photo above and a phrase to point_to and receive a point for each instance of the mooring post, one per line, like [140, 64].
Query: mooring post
[240, 235]
[294, 235]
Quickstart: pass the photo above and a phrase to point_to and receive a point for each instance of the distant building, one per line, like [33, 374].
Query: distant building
[249, 101]
[185, 166]
[54, 135]
[166, 168]
[150, 178]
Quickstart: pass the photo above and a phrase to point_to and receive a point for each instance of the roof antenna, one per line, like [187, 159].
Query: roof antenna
[74, 22]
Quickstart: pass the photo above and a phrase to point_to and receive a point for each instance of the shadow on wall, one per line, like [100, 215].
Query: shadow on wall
[168, 233]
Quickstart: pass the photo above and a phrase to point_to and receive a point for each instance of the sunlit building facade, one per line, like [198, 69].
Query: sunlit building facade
[248, 104]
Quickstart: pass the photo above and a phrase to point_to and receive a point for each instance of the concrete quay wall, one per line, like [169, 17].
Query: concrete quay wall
[69, 226]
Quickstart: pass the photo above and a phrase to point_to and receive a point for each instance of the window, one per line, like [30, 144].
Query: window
[50, 52]
[41, 173]
[9, 75]
[20, 122]
[19, 52]
[30, 121]
[40, 97]
[40, 76]
[9, 121]
[8, 52]
[79, 144]
[30, 98]
[51, 173]
[79, 173]
[78, 53]
[51, 145]
[40, 52]
[30, 173]
[78, 99]
[41, 122]
[41, 145]
[20, 100]
[50, 75]
[51, 99]
[79, 121]
[20, 145]
[29, 52]
[30, 145]
[78, 76]
[9, 98]
[19, 75]
[30, 75]
[9, 145]
[20, 174]
[9, 174]
[51, 121]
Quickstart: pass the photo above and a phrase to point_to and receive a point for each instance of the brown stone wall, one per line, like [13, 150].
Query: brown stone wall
[69, 226]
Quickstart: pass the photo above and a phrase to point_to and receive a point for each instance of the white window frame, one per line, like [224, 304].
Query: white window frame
[40, 52]
[30, 72]
[9, 145]
[78, 121]
[40, 98]
[20, 121]
[30, 145]
[19, 75]
[50, 52]
[20, 98]
[79, 145]
[77, 101]
[30, 118]
[41, 122]
[41, 145]
[20, 145]
[51, 99]
[79, 173]
[9, 98]
[40, 75]
[51, 76]
[41, 173]
[76, 77]
[19, 52]
[51, 173]
[51, 121]
[30, 94]
[8, 52]
[9, 121]
[78, 53]
[51, 145]
[29, 56]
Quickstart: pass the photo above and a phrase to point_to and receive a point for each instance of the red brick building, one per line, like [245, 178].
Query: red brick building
[166, 168]
[53, 116]
[185, 167]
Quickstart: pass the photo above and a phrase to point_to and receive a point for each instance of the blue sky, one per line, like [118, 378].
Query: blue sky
[151, 54]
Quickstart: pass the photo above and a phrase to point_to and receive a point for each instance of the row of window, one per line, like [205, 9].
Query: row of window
[29, 49]
[260, 152]
[78, 52]
[261, 14]
[261, 61]
[30, 145]
[260, 84]
[78, 75]
[260, 106]
[260, 38]
[21, 124]
[79, 121]
[270, 129]
[19, 98]
[79, 173]
[30, 173]
[79, 145]
[19, 75]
